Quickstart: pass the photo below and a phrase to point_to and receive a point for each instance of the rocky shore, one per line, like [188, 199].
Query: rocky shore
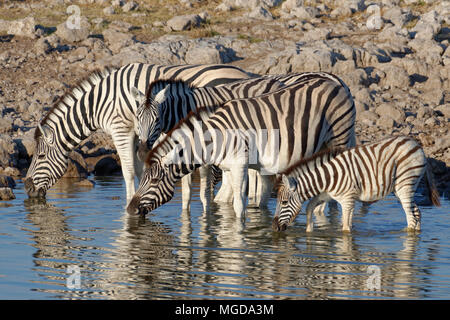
[393, 54]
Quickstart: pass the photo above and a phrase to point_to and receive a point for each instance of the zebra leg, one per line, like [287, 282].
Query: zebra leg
[239, 177]
[319, 212]
[266, 183]
[348, 206]
[186, 185]
[309, 211]
[413, 215]
[124, 142]
[205, 187]
[260, 187]
[252, 188]
[225, 193]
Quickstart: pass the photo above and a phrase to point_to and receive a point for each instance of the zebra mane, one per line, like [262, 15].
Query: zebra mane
[199, 114]
[329, 152]
[163, 82]
[75, 92]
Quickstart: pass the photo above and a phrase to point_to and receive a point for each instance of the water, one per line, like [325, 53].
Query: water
[172, 254]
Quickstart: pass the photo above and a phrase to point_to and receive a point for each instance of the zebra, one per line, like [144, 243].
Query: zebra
[168, 101]
[366, 173]
[103, 101]
[267, 133]
[173, 100]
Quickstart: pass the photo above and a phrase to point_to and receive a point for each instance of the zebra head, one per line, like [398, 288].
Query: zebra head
[156, 187]
[48, 164]
[148, 116]
[289, 204]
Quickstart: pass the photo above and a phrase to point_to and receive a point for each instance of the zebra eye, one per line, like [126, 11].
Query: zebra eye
[41, 156]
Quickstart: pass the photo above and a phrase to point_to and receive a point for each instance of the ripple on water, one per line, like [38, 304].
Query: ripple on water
[171, 254]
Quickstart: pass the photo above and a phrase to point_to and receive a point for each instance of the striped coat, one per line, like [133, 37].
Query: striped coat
[103, 101]
[365, 173]
[267, 133]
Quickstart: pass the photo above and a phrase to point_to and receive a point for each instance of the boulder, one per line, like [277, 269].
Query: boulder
[389, 110]
[6, 194]
[260, 13]
[25, 27]
[184, 22]
[77, 167]
[73, 30]
[7, 181]
[117, 40]
[107, 166]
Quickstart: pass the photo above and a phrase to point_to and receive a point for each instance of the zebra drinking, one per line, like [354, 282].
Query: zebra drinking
[104, 101]
[366, 173]
[167, 102]
[303, 117]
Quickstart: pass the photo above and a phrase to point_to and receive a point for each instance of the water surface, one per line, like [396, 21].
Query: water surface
[171, 254]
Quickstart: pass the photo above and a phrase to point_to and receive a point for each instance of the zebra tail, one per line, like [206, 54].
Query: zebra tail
[433, 193]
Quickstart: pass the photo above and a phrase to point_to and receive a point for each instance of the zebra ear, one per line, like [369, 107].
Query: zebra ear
[161, 96]
[137, 95]
[47, 133]
[290, 183]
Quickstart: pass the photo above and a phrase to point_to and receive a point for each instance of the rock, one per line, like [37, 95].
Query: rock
[428, 26]
[130, 6]
[341, 11]
[185, 22]
[10, 171]
[388, 110]
[77, 167]
[107, 166]
[386, 122]
[367, 117]
[223, 7]
[252, 4]
[85, 183]
[5, 124]
[117, 40]
[74, 31]
[6, 194]
[444, 109]
[394, 76]
[289, 5]
[24, 27]
[109, 11]
[8, 152]
[260, 13]
[42, 47]
[7, 181]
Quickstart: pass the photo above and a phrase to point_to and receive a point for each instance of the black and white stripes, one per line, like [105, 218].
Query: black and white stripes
[366, 173]
[300, 119]
[104, 101]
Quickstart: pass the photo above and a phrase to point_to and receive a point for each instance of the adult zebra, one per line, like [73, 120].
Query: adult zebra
[169, 101]
[269, 132]
[366, 173]
[103, 101]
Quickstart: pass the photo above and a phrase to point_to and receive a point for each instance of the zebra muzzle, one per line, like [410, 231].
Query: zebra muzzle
[31, 190]
[135, 207]
[276, 226]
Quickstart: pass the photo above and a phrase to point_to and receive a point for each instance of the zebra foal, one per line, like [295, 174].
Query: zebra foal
[366, 173]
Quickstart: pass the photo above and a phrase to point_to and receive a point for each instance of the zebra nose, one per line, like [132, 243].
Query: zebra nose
[29, 186]
[133, 206]
[276, 226]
